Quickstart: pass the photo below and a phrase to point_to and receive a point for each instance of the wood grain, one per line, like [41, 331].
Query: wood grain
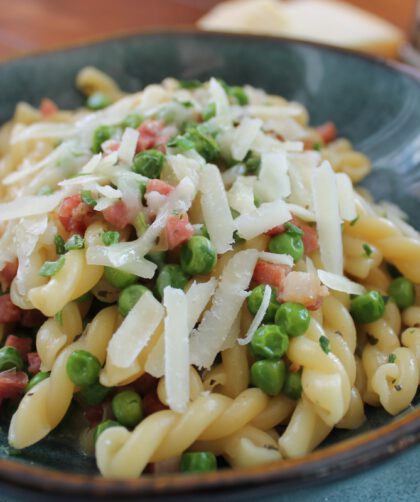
[29, 25]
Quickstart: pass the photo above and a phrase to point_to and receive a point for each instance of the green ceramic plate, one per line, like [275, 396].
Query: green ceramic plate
[375, 104]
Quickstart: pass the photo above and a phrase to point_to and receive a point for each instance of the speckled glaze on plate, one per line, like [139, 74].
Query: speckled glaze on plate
[376, 105]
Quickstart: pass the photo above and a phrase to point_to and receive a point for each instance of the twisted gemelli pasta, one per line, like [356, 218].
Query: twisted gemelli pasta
[42, 409]
[73, 280]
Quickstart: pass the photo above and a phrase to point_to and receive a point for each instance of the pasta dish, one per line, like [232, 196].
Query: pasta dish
[190, 273]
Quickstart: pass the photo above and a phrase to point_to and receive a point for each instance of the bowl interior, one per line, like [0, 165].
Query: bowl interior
[372, 104]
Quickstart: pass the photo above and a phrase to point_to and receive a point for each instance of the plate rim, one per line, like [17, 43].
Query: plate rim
[350, 455]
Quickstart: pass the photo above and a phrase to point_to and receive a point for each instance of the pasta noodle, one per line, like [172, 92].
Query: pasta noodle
[226, 193]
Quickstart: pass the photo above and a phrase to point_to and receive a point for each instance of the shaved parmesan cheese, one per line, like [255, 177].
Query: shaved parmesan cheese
[215, 207]
[264, 143]
[241, 195]
[130, 194]
[278, 259]
[104, 203]
[286, 127]
[273, 181]
[219, 96]
[301, 212]
[155, 364]
[135, 331]
[92, 164]
[155, 201]
[233, 334]
[230, 175]
[177, 353]
[209, 337]
[258, 318]
[198, 296]
[244, 136]
[346, 200]
[108, 191]
[267, 216]
[183, 167]
[133, 252]
[98, 255]
[328, 220]
[300, 194]
[81, 180]
[128, 145]
[30, 205]
[340, 283]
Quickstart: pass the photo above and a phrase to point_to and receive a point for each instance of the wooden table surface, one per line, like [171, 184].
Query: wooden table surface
[31, 25]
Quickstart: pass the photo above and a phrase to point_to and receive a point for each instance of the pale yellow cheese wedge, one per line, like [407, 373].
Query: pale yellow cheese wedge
[327, 21]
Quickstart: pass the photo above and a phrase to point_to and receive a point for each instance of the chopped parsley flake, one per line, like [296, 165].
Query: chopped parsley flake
[111, 237]
[353, 222]
[59, 317]
[50, 268]
[392, 358]
[76, 241]
[325, 344]
[59, 244]
[87, 198]
[367, 250]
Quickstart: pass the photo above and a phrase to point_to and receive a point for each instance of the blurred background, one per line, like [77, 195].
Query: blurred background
[381, 27]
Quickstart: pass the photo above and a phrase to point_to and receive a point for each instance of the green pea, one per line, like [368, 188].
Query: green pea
[103, 426]
[98, 100]
[198, 139]
[149, 163]
[287, 243]
[209, 111]
[170, 275]
[198, 461]
[255, 300]
[403, 292]
[10, 358]
[269, 376]
[94, 394]
[133, 120]
[119, 278]
[83, 368]
[158, 258]
[269, 342]
[198, 256]
[294, 318]
[293, 385]
[239, 94]
[129, 296]
[36, 379]
[127, 408]
[368, 307]
[100, 135]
